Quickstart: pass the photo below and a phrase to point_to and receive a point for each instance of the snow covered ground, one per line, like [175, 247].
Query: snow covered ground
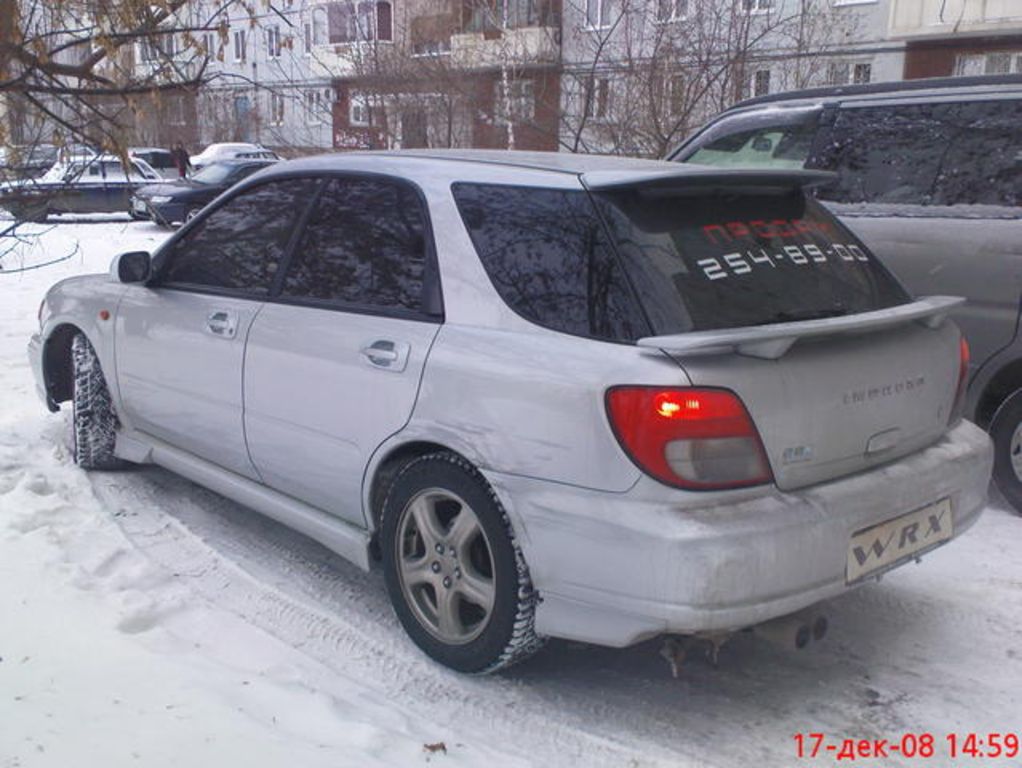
[146, 621]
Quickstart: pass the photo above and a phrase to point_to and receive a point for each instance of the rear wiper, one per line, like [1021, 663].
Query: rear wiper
[808, 314]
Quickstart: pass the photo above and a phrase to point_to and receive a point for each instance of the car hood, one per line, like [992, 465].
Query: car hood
[172, 188]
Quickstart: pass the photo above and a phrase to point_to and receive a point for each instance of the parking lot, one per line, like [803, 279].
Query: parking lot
[303, 651]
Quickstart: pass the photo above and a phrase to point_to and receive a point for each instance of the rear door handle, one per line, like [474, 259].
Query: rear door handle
[222, 323]
[386, 354]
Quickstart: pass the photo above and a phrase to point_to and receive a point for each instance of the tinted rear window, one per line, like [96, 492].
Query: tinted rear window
[726, 260]
[548, 256]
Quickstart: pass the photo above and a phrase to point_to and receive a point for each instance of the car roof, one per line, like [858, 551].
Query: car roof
[942, 86]
[557, 168]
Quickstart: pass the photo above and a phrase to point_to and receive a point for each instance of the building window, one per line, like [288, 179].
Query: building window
[359, 22]
[597, 98]
[307, 38]
[518, 104]
[598, 14]
[147, 51]
[273, 44]
[170, 45]
[239, 45]
[675, 95]
[993, 63]
[276, 109]
[761, 82]
[313, 107]
[862, 73]
[320, 25]
[758, 6]
[176, 110]
[359, 112]
[209, 44]
[671, 10]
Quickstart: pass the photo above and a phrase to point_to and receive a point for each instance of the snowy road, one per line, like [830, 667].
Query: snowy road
[146, 621]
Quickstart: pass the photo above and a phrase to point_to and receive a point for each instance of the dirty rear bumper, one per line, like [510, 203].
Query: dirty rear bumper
[615, 569]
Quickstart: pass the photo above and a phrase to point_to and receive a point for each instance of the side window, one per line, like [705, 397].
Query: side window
[983, 165]
[364, 244]
[238, 247]
[768, 145]
[547, 255]
[888, 154]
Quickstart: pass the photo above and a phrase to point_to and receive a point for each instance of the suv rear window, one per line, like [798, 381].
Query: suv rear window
[710, 259]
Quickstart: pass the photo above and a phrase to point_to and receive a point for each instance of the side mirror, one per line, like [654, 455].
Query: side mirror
[131, 267]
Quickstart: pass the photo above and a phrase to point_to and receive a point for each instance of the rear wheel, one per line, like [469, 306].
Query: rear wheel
[93, 421]
[454, 571]
[1006, 431]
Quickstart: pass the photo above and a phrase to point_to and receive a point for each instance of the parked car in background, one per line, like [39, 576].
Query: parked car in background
[95, 185]
[229, 151]
[160, 160]
[26, 162]
[929, 175]
[557, 395]
[182, 200]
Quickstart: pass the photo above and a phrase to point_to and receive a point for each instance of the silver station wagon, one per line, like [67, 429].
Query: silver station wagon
[551, 395]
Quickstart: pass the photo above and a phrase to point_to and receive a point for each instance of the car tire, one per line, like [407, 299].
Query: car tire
[94, 423]
[459, 583]
[1006, 431]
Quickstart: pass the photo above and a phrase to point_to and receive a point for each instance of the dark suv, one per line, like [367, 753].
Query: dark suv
[929, 175]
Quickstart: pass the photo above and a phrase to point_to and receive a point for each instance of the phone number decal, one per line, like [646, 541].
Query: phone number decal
[743, 262]
[920, 746]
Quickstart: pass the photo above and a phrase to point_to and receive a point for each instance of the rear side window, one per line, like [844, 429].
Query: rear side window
[549, 259]
[239, 246]
[710, 260]
[364, 244]
[889, 154]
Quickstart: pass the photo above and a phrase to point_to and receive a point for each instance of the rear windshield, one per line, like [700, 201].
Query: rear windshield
[726, 260]
[621, 265]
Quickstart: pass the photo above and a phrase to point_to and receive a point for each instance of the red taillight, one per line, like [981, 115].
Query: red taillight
[700, 439]
[963, 380]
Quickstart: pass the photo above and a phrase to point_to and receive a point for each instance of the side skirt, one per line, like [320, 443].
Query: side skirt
[348, 541]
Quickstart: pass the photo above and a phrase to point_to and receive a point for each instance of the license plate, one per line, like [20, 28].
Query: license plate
[883, 546]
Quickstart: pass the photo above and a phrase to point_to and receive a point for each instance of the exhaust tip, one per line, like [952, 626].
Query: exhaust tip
[802, 636]
[820, 627]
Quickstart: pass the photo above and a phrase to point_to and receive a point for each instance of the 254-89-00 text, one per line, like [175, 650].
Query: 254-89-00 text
[923, 746]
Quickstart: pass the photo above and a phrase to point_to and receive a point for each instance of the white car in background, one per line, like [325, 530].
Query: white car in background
[230, 151]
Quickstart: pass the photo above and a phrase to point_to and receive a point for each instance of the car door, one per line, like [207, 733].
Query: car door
[180, 340]
[333, 362]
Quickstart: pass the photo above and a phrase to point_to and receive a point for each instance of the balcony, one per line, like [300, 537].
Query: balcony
[488, 48]
[913, 19]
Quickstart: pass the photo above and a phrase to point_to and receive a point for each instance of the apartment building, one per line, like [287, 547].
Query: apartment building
[958, 37]
[444, 73]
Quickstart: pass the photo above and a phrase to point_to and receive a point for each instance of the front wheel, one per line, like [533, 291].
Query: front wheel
[93, 421]
[1006, 431]
[454, 571]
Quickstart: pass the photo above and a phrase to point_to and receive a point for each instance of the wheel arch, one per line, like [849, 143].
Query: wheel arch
[1001, 385]
[57, 373]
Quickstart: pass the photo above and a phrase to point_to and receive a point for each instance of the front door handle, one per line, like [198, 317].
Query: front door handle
[386, 354]
[222, 323]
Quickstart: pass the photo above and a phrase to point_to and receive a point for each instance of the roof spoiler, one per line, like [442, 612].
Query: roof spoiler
[770, 342]
[704, 178]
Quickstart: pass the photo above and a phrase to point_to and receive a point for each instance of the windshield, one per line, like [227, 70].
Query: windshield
[721, 259]
[217, 173]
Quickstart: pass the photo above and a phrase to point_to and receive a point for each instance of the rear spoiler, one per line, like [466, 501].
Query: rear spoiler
[773, 341]
[682, 176]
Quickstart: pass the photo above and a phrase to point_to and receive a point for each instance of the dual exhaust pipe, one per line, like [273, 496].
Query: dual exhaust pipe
[794, 632]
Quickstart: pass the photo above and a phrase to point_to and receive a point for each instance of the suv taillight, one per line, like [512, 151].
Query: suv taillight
[963, 380]
[698, 439]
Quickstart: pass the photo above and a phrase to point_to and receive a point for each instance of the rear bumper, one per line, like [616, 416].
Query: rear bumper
[615, 569]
